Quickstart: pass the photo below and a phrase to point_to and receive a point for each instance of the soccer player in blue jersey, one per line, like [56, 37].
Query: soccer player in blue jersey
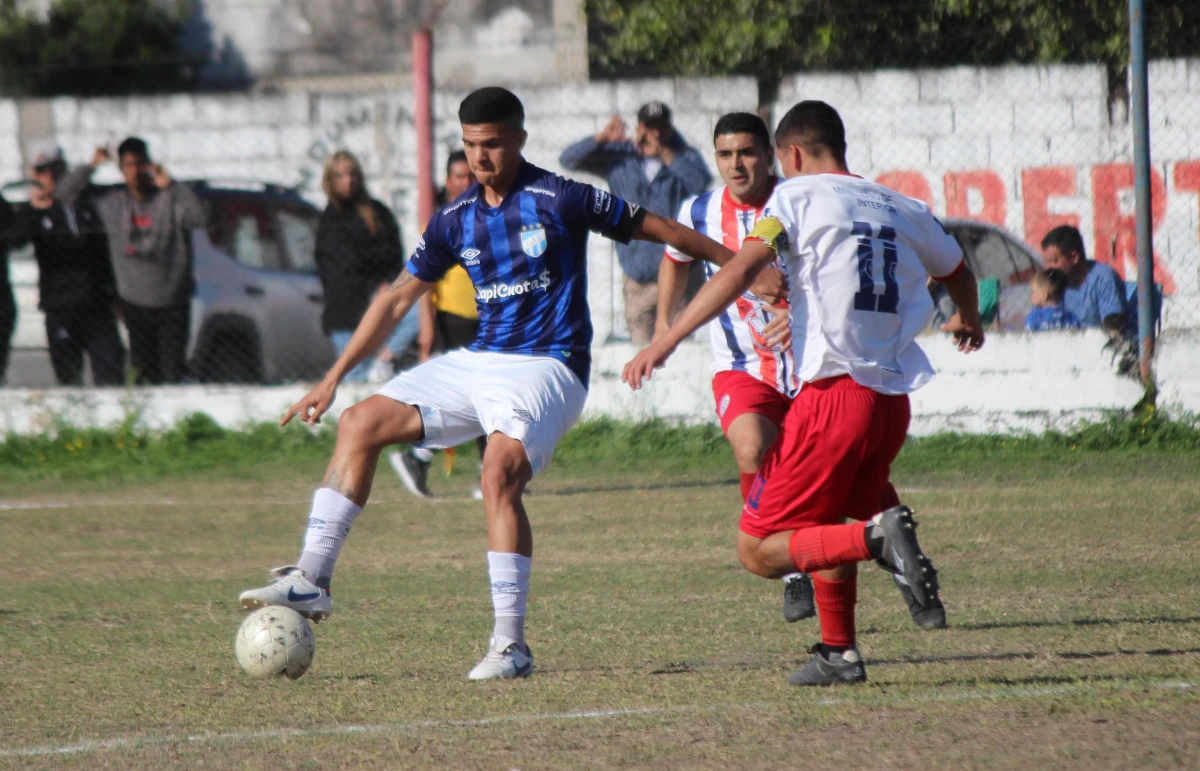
[521, 234]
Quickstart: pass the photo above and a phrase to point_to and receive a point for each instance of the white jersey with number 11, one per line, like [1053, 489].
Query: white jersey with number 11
[858, 257]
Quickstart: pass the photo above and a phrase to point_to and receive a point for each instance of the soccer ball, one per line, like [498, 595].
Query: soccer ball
[274, 641]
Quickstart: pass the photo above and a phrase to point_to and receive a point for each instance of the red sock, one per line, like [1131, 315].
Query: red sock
[828, 546]
[747, 483]
[835, 604]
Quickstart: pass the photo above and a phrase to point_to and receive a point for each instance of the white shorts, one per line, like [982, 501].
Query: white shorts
[465, 394]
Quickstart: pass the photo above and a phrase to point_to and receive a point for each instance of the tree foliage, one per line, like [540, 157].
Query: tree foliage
[93, 47]
[771, 38]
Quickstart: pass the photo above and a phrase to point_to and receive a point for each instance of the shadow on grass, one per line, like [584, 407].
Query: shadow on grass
[773, 662]
[678, 484]
[988, 625]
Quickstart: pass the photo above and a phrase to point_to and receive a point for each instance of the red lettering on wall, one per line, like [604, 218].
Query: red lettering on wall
[1187, 176]
[990, 188]
[1116, 233]
[1038, 186]
[910, 183]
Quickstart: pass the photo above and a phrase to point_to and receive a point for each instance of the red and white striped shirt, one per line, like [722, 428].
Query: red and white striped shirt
[737, 334]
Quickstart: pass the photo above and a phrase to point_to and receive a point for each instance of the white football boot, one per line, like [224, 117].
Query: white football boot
[505, 660]
[291, 589]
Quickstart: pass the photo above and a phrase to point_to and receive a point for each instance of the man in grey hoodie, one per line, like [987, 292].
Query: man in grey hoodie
[148, 223]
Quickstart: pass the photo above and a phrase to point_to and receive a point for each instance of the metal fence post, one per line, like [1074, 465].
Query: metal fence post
[1140, 117]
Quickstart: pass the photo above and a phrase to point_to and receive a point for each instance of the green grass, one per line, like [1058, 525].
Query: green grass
[1070, 577]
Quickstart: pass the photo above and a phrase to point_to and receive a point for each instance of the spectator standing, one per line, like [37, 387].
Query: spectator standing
[656, 170]
[1047, 290]
[1095, 294]
[456, 319]
[358, 253]
[8, 306]
[148, 223]
[76, 290]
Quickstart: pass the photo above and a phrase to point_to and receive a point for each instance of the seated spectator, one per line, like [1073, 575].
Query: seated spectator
[655, 169]
[76, 290]
[1095, 294]
[1047, 290]
[358, 252]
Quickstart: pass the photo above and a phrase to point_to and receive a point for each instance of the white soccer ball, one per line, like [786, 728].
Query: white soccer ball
[275, 641]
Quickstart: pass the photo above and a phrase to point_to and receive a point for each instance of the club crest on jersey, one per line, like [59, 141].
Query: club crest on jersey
[533, 240]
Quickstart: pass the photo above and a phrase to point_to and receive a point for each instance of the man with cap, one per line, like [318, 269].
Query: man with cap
[149, 222]
[657, 170]
[75, 279]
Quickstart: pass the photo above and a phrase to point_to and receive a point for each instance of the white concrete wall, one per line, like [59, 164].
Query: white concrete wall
[1030, 148]
[1015, 384]
[285, 138]
[1025, 147]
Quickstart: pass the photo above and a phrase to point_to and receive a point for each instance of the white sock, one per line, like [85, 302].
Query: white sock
[790, 576]
[510, 590]
[328, 525]
[423, 454]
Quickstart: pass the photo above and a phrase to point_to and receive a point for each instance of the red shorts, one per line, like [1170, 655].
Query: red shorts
[737, 393]
[831, 461]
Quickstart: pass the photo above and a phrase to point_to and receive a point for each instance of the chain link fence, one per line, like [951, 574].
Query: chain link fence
[1004, 154]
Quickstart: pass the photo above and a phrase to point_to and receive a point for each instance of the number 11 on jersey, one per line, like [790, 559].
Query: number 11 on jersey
[865, 298]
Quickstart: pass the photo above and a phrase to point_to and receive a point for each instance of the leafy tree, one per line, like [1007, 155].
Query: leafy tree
[93, 47]
[772, 38]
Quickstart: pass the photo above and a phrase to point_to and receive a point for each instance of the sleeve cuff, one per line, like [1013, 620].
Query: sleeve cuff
[682, 259]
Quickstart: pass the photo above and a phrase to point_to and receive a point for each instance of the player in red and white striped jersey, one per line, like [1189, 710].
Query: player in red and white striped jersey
[754, 378]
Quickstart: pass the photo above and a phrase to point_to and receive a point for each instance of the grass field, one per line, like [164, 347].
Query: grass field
[1070, 578]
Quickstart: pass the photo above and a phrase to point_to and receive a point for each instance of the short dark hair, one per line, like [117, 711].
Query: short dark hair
[1067, 239]
[814, 126]
[1055, 281]
[134, 146]
[744, 123]
[491, 105]
[458, 156]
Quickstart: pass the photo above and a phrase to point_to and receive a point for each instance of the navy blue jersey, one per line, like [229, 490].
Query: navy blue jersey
[527, 258]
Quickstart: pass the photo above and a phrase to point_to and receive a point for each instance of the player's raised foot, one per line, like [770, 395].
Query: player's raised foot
[413, 472]
[892, 541]
[830, 668]
[798, 600]
[505, 660]
[291, 589]
[933, 616]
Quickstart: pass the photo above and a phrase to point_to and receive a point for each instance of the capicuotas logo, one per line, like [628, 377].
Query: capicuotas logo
[486, 294]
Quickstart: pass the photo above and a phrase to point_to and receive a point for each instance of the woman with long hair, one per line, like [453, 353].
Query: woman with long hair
[358, 253]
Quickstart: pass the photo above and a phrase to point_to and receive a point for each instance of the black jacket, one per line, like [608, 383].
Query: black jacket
[353, 263]
[6, 215]
[74, 269]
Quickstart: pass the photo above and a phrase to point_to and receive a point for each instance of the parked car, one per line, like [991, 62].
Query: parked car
[256, 313]
[994, 253]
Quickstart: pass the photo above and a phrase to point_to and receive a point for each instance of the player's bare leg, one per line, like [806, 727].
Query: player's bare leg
[364, 430]
[750, 435]
[506, 472]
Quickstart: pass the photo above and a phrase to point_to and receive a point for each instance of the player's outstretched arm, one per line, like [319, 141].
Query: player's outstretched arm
[965, 324]
[672, 284]
[771, 284]
[382, 316]
[714, 297]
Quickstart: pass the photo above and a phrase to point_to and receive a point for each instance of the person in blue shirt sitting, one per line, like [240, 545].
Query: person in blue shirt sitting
[1095, 294]
[1047, 290]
